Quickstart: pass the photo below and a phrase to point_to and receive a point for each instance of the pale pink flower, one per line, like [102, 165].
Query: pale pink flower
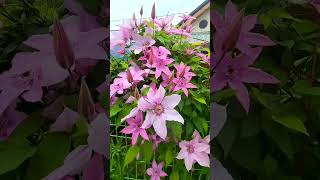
[164, 23]
[194, 151]
[155, 172]
[133, 75]
[142, 43]
[159, 109]
[119, 85]
[205, 58]
[135, 129]
[186, 17]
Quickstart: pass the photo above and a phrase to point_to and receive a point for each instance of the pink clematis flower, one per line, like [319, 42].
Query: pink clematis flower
[236, 29]
[194, 151]
[135, 128]
[164, 23]
[205, 140]
[186, 17]
[184, 71]
[158, 59]
[235, 72]
[159, 109]
[133, 75]
[205, 58]
[182, 84]
[142, 43]
[119, 85]
[155, 172]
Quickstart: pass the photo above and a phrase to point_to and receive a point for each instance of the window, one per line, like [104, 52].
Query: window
[203, 24]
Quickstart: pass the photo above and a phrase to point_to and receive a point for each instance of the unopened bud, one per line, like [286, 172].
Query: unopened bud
[86, 106]
[129, 76]
[141, 11]
[153, 12]
[136, 93]
[62, 46]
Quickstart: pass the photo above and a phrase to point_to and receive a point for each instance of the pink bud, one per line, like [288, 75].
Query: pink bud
[129, 76]
[86, 105]
[153, 12]
[62, 46]
[141, 11]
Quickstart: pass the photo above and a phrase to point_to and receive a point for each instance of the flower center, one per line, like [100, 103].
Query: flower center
[190, 149]
[158, 109]
[146, 43]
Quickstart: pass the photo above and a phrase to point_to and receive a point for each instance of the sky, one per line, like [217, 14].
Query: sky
[124, 9]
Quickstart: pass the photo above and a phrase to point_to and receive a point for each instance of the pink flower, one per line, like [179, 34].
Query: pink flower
[155, 172]
[205, 140]
[156, 140]
[184, 71]
[133, 75]
[119, 85]
[235, 72]
[159, 109]
[182, 84]
[164, 23]
[142, 43]
[205, 58]
[194, 151]
[158, 59]
[186, 17]
[135, 128]
[167, 79]
[231, 24]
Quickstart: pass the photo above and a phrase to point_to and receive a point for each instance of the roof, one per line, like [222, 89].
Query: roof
[198, 11]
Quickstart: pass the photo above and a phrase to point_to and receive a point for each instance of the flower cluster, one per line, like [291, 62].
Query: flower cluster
[236, 48]
[155, 83]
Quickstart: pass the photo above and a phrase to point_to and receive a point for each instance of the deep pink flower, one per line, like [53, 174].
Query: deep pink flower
[184, 71]
[246, 39]
[155, 172]
[159, 109]
[135, 129]
[235, 72]
[158, 59]
[119, 85]
[194, 151]
[182, 84]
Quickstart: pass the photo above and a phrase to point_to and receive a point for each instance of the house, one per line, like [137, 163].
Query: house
[201, 25]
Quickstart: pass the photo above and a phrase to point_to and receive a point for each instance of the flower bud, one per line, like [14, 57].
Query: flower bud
[129, 76]
[62, 46]
[153, 12]
[141, 11]
[86, 106]
[233, 35]
[151, 58]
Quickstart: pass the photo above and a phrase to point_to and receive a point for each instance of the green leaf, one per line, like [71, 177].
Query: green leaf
[291, 122]
[174, 176]
[49, 156]
[80, 132]
[131, 154]
[302, 87]
[169, 156]
[147, 151]
[305, 27]
[145, 91]
[114, 110]
[200, 99]
[261, 97]
[13, 154]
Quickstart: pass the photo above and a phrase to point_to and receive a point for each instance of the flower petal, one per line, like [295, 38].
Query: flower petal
[160, 127]
[241, 93]
[171, 101]
[150, 117]
[202, 159]
[254, 75]
[65, 121]
[173, 115]
[94, 169]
